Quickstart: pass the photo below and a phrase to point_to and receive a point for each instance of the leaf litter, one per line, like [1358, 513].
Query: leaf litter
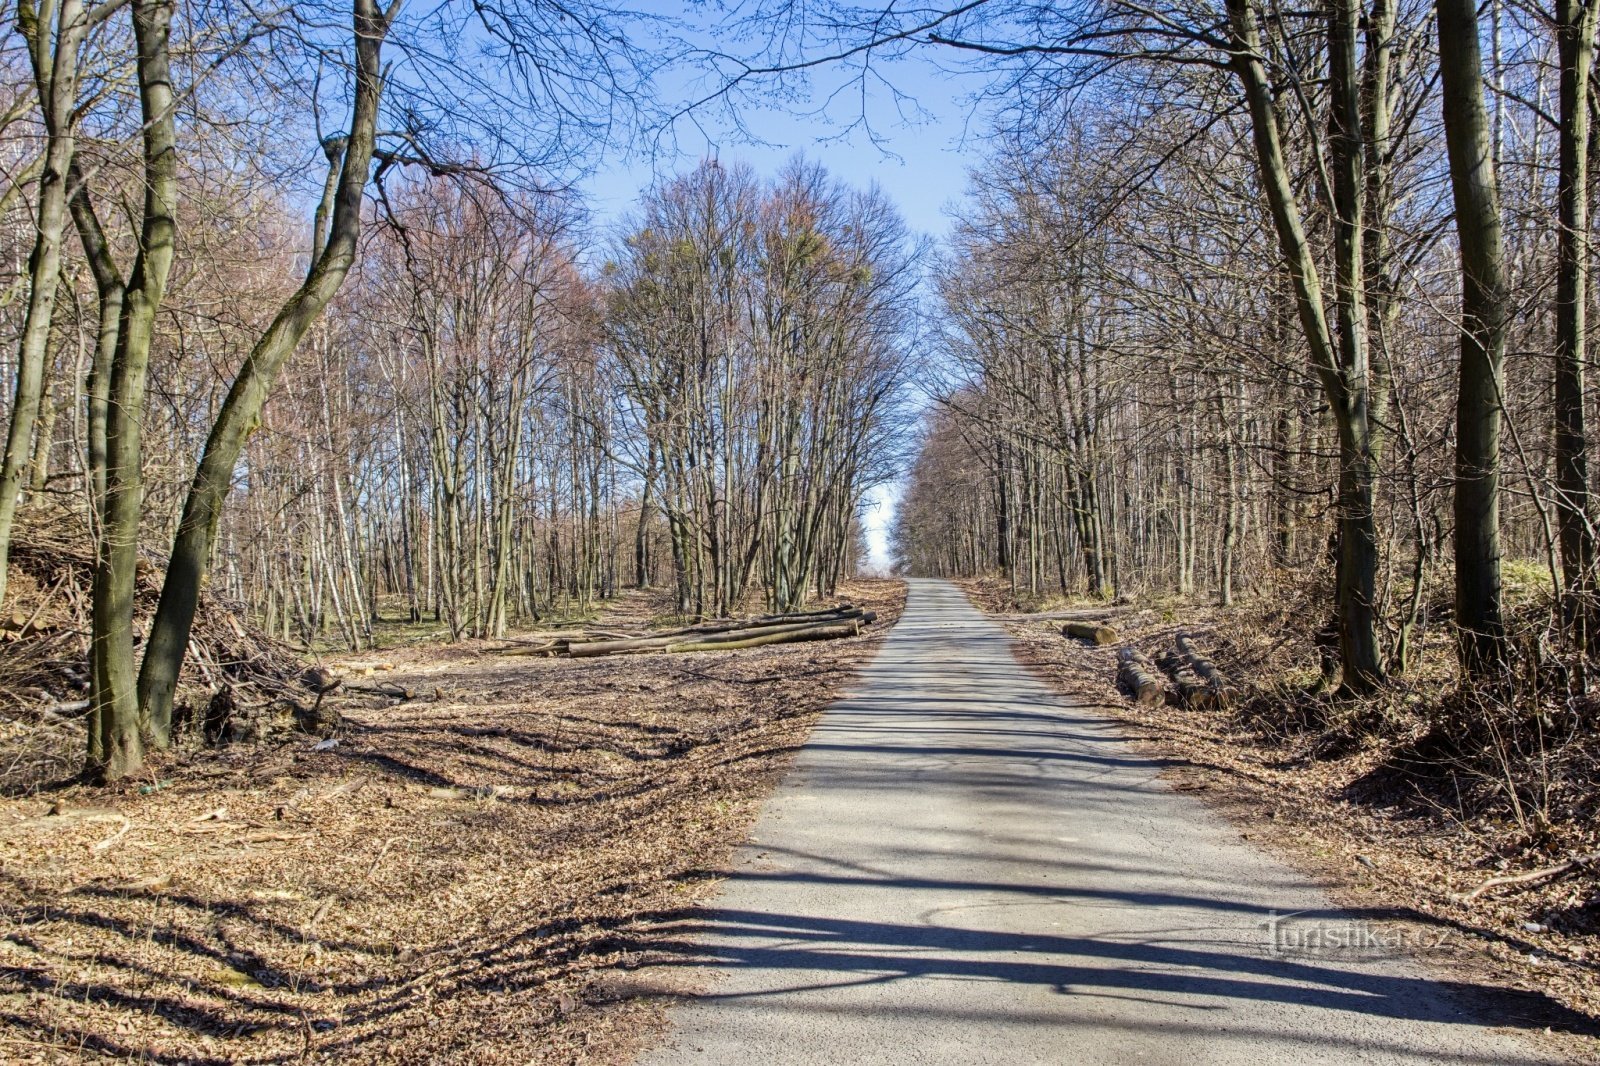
[472, 877]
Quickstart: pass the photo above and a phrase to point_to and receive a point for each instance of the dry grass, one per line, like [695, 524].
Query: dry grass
[470, 877]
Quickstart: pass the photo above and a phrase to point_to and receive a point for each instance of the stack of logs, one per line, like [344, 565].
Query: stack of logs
[722, 634]
[1196, 681]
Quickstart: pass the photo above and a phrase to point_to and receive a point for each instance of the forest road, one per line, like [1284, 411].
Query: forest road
[964, 868]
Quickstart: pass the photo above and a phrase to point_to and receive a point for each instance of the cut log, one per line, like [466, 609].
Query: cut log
[1093, 632]
[1139, 679]
[789, 635]
[545, 650]
[618, 647]
[729, 625]
[738, 636]
[1204, 668]
[844, 610]
[360, 669]
[1192, 692]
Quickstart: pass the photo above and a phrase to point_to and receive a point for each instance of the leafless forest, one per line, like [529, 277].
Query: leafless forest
[1263, 323]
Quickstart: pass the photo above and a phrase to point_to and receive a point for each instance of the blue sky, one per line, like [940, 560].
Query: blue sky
[910, 126]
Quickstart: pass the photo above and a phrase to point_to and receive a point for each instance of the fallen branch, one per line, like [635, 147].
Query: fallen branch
[1570, 866]
[59, 711]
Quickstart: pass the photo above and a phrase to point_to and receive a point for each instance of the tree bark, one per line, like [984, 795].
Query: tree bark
[1480, 629]
[241, 411]
[1575, 39]
[54, 34]
[116, 736]
[1339, 362]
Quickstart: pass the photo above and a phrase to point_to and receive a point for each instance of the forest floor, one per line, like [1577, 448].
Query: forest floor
[1363, 796]
[506, 846]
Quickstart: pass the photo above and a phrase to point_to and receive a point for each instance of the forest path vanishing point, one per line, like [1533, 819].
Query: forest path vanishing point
[963, 868]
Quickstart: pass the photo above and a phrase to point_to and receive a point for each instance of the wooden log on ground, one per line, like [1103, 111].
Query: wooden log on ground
[595, 634]
[1139, 680]
[360, 669]
[737, 635]
[843, 610]
[1204, 668]
[545, 650]
[614, 647]
[792, 635]
[620, 647]
[1192, 692]
[728, 625]
[1093, 632]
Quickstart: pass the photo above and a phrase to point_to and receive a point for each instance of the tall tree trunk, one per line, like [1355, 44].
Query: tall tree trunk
[1575, 37]
[241, 411]
[1340, 362]
[116, 734]
[1481, 638]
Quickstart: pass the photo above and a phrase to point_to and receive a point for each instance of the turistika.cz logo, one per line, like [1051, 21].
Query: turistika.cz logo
[1294, 934]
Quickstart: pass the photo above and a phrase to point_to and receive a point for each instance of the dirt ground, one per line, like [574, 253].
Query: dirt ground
[1399, 848]
[471, 876]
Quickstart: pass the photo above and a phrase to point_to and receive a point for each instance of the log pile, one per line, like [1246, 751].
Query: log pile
[1196, 681]
[722, 634]
[1205, 669]
[1139, 679]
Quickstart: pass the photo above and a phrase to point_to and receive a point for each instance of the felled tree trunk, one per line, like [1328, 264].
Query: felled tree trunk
[1093, 632]
[796, 636]
[666, 641]
[1139, 680]
[1193, 693]
[1204, 668]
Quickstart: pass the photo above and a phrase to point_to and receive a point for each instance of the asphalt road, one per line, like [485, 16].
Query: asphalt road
[963, 868]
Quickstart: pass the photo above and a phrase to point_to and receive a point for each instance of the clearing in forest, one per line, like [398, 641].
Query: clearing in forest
[474, 875]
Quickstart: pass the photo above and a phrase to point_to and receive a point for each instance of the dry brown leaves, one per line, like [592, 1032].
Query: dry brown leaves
[470, 877]
[1415, 855]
